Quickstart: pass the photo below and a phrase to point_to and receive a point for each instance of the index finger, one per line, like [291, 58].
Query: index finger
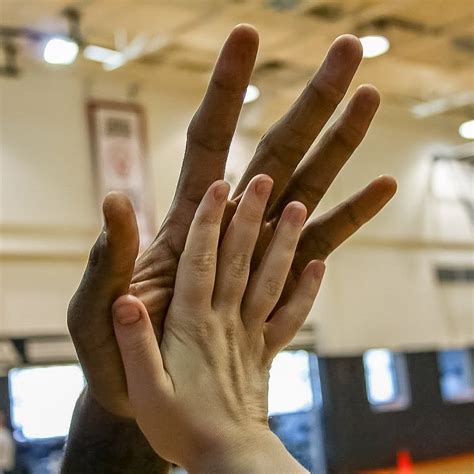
[213, 125]
[196, 273]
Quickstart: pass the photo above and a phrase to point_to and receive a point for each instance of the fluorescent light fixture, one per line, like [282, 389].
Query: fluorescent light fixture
[114, 61]
[374, 46]
[443, 104]
[60, 51]
[466, 130]
[98, 53]
[252, 94]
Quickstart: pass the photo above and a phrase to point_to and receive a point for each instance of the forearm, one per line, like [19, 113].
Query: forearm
[99, 442]
[260, 455]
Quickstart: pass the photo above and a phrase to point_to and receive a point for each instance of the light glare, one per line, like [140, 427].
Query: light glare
[252, 94]
[466, 130]
[60, 51]
[374, 46]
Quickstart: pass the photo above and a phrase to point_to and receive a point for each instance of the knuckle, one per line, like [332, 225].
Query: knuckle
[347, 136]
[72, 321]
[326, 93]
[239, 266]
[74, 311]
[202, 264]
[205, 330]
[78, 327]
[71, 308]
[272, 287]
[137, 348]
[97, 250]
[287, 241]
[226, 87]
[205, 140]
[230, 336]
[250, 215]
[284, 154]
[323, 246]
[207, 335]
[207, 219]
[354, 218]
[308, 191]
[265, 140]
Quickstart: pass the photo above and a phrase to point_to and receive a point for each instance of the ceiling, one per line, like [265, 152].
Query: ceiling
[431, 55]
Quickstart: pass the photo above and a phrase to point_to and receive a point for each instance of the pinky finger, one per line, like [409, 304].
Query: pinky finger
[280, 330]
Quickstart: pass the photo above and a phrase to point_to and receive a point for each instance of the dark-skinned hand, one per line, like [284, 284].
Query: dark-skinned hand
[113, 270]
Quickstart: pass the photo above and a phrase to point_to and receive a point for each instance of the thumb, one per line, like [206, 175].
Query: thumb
[139, 349]
[113, 256]
[109, 269]
[107, 276]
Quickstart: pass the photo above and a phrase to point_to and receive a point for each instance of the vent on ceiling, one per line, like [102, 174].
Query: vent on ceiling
[281, 73]
[272, 65]
[152, 59]
[194, 66]
[455, 274]
[326, 11]
[385, 22]
[283, 4]
[464, 43]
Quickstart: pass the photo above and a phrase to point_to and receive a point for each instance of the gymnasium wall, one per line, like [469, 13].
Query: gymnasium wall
[357, 437]
[380, 290]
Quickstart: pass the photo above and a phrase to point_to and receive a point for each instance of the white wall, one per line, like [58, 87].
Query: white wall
[379, 290]
[382, 290]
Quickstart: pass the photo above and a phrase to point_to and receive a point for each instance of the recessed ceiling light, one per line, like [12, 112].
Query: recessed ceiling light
[374, 46]
[466, 130]
[252, 94]
[60, 51]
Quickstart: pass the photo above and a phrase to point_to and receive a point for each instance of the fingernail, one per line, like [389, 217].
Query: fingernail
[297, 215]
[127, 314]
[264, 187]
[221, 192]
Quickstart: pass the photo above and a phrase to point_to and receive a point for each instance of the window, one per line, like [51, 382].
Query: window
[456, 368]
[294, 402]
[43, 399]
[290, 388]
[386, 380]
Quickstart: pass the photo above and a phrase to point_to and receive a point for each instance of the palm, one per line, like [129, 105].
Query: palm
[153, 279]
[155, 271]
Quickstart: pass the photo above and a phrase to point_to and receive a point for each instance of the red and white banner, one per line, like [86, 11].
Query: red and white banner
[118, 136]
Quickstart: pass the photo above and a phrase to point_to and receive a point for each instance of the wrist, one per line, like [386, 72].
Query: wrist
[100, 442]
[257, 452]
[111, 408]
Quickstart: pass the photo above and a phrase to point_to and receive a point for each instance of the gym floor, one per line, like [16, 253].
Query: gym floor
[455, 465]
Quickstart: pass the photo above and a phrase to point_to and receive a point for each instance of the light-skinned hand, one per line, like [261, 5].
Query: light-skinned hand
[200, 395]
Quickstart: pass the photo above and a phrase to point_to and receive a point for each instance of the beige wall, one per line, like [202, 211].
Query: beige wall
[380, 289]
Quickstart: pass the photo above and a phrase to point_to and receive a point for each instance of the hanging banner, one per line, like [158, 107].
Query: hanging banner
[119, 148]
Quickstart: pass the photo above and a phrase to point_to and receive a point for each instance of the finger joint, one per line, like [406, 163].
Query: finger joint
[203, 264]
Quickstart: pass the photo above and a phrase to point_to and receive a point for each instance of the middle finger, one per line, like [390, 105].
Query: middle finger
[285, 144]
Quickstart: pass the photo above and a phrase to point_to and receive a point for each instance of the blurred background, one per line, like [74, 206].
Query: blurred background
[97, 95]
